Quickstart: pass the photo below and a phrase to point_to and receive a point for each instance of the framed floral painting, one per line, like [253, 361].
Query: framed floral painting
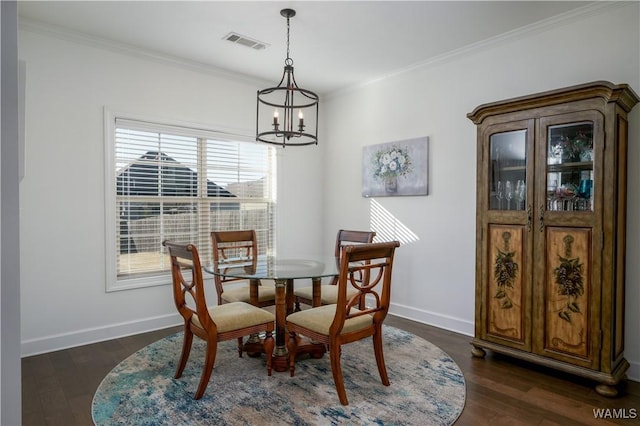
[395, 168]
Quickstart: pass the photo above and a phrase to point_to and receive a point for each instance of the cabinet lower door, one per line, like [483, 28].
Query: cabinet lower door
[507, 297]
[566, 298]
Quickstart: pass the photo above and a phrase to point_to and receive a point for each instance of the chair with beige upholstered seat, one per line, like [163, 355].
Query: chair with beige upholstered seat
[345, 321]
[231, 248]
[215, 324]
[329, 292]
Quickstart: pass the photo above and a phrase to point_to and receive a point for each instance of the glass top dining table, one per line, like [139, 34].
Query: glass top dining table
[278, 267]
[284, 270]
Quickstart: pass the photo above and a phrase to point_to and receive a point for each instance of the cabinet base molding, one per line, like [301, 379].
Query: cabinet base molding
[607, 382]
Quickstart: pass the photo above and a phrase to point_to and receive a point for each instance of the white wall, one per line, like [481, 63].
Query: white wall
[434, 276]
[64, 302]
[62, 267]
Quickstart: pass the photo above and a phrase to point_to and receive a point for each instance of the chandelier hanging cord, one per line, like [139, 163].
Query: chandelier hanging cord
[284, 129]
[288, 13]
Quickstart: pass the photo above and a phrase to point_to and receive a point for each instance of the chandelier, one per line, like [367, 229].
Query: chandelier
[287, 114]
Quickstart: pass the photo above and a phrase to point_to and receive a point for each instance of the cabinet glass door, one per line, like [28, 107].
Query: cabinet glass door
[570, 159]
[508, 188]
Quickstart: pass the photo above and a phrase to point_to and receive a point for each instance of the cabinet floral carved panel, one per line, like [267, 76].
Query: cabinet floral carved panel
[568, 291]
[505, 295]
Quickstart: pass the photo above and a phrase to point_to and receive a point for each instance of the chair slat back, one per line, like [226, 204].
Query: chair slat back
[188, 289]
[232, 249]
[347, 237]
[371, 260]
[350, 237]
[231, 245]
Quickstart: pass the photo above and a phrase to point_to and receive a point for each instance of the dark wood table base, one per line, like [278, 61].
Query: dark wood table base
[280, 361]
[284, 306]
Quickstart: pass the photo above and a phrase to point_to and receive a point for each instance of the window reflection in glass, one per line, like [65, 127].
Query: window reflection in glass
[570, 167]
[508, 189]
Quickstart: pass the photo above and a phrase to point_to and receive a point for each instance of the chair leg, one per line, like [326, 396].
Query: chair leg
[186, 349]
[292, 347]
[377, 348]
[269, 344]
[239, 347]
[297, 309]
[336, 370]
[209, 361]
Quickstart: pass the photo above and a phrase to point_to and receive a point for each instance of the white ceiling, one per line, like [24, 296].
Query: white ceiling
[334, 44]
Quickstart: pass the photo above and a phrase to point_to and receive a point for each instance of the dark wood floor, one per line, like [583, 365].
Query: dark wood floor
[58, 387]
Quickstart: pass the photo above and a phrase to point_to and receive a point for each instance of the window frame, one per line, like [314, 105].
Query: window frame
[113, 282]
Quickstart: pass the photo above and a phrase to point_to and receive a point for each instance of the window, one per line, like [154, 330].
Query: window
[180, 183]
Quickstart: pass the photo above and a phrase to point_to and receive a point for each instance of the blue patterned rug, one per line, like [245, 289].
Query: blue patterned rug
[427, 387]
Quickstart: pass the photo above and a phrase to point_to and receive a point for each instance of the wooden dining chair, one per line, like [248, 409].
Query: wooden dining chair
[215, 324]
[329, 292]
[340, 323]
[231, 248]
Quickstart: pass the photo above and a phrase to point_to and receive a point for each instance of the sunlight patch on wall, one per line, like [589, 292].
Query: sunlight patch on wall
[388, 227]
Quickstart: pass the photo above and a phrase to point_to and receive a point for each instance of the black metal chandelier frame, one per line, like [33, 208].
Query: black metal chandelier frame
[288, 132]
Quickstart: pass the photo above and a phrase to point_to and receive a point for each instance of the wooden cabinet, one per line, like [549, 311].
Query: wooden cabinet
[550, 245]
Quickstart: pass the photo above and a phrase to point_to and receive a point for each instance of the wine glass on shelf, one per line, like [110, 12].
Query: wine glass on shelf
[508, 191]
[552, 188]
[499, 194]
[519, 194]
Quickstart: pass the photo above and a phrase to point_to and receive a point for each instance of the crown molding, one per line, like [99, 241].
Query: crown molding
[595, 8]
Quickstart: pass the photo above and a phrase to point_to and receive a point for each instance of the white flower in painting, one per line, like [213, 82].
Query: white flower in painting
[391, 163]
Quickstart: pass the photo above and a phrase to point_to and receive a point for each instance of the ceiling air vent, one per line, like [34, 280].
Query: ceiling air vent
[245, 41]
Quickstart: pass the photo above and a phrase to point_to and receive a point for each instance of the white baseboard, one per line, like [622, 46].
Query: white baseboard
[445, 322]
[633, 373]
[98, 334]
[466, 328]
[114, 331]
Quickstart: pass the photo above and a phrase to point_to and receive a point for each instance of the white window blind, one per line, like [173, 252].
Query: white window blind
[179, 183]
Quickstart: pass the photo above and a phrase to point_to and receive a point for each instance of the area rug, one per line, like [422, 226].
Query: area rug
[427, 387]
